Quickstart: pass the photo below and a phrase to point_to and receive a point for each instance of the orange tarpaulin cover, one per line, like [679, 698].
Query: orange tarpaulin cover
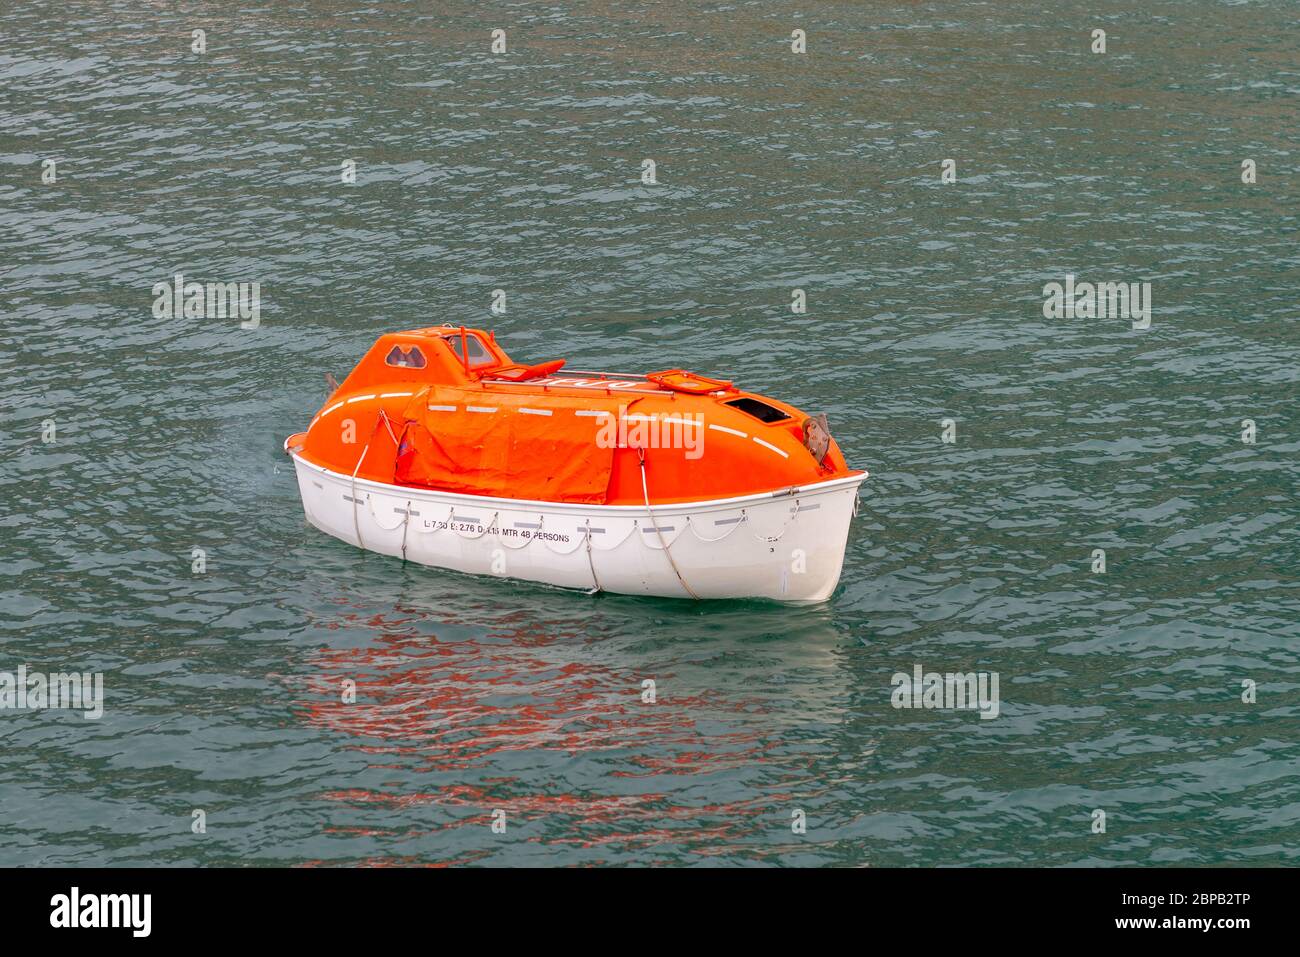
[506, 452]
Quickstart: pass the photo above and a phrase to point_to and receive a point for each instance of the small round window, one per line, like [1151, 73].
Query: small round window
[409, 357]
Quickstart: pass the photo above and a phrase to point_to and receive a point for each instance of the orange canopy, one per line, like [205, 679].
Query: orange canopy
[507, 446]
[447, 409]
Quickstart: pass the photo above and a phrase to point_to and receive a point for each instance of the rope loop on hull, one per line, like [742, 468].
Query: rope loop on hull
[590, 561]
[356, 522]
[694, 527]
[483, 529]
[520, 542]
[791, 518]
[645, 491]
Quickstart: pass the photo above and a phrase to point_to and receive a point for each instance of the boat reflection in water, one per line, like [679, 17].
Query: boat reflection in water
[550, 722]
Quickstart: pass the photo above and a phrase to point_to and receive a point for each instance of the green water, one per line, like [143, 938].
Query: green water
[1119, 691]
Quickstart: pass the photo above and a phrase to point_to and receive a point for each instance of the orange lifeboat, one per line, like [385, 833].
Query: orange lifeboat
[440, 449]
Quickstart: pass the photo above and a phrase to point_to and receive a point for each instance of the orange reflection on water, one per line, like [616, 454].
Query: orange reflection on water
[433, 705]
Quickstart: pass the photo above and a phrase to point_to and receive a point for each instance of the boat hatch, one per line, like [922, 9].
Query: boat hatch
[759, 410]
[478, 353]
[817, 436]
[679, 380]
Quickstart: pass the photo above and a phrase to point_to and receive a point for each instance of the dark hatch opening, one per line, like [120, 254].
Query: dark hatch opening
[759, 410]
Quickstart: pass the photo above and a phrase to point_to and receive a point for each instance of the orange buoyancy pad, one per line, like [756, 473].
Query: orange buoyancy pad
[479, 442]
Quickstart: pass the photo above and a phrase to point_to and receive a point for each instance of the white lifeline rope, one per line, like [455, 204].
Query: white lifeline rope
[484, 529]
[389, 426]
[644, 491]
[406, 521]
[730, 529]
[592, 563]
[356, 524]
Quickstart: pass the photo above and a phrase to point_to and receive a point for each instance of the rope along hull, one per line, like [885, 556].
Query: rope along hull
[786, 546]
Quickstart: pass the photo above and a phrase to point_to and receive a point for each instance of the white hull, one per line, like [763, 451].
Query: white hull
[786, 546]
